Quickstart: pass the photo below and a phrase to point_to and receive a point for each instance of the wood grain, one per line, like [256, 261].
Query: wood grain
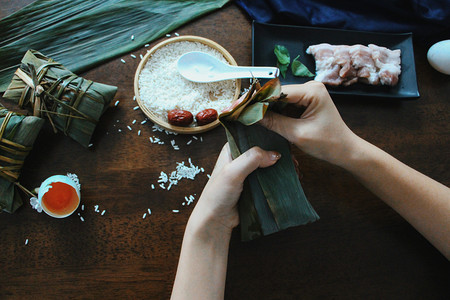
[359, 249]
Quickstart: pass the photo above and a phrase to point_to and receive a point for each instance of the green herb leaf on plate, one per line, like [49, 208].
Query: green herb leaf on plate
[283, 69]
[282, 54]
[299, 69]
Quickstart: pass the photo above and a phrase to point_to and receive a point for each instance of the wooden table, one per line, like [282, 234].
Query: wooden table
[359, 249]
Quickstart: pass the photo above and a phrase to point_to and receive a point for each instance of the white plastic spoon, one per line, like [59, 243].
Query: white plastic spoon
[201, 67]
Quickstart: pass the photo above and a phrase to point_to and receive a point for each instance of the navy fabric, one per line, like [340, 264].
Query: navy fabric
[425, 18]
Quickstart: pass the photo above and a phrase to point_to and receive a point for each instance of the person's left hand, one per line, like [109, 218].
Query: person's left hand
[217, 206]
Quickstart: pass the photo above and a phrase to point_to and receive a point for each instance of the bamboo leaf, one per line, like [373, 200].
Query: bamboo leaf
[271, 91]
[253, 113]
[273, 198]
[82, 34]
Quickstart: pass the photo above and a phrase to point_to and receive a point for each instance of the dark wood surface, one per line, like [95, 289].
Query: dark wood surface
[359, 249]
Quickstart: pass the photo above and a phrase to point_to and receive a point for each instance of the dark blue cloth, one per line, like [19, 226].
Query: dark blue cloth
[425, 18]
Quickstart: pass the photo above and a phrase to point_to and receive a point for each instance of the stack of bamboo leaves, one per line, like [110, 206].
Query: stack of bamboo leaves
[273, 198]
[81, 34]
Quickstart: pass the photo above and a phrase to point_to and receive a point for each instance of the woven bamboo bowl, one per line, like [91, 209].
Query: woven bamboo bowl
[156, 118]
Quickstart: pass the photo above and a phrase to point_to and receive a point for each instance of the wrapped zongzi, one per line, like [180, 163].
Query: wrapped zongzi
[72, 104]
[17, 135]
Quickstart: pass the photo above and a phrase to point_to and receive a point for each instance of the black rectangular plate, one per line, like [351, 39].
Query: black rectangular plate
[298, 38]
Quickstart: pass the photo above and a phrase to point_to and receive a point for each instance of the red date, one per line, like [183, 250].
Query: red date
[179, 117]
[206, 116]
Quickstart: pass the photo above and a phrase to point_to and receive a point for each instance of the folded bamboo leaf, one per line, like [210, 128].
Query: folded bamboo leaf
[253, 113]
[72, 104]
[81, 34]
[271, 91]
[273, 198]
[17, 135]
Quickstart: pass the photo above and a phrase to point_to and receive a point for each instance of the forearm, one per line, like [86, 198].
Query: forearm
[203, 263]
[422, 201]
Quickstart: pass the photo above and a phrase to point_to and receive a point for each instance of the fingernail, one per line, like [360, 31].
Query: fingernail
[275, 155]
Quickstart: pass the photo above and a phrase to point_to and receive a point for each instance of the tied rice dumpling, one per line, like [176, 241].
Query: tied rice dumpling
[273, 198]
[17, 135]
[72, 104]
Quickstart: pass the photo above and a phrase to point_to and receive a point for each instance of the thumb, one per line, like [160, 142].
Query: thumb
[250, 160]
[284, 126]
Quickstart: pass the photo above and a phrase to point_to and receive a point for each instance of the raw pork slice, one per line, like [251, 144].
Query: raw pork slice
[345, 65]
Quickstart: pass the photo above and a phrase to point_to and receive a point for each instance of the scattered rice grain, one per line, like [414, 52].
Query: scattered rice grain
[129, 128]
[134, 122]
[175, 210]
[26, 242]
[122, 60]
[103, 212]
[136, 108]
[133, 56]
[139, 132]
[132, 37]
[144, 215]
[117, 103]
[82, 219]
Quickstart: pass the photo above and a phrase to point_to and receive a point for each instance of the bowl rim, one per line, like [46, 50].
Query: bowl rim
[155, 118]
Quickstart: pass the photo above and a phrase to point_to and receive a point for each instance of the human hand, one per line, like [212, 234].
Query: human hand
[320, 131]
[217, 206]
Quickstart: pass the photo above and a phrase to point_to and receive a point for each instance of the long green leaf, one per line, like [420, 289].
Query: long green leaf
[273, 198]
[81, 34]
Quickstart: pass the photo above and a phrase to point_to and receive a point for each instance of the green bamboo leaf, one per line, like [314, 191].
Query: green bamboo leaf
[253, 113]
[273, 198]
[299, 69]
[282, 54]
[82, 34]
[271, 91]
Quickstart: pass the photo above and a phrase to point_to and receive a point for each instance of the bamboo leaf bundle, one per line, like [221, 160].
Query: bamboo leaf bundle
[273, 198]
[17, 136]
[72, 104]
[81, 34]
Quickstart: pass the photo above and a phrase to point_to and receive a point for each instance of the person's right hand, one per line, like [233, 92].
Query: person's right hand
[320, 131]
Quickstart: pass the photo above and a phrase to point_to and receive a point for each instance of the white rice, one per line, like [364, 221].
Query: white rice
[162, 88]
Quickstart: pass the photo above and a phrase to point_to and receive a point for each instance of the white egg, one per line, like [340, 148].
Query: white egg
[439, 56]
[47, 185]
